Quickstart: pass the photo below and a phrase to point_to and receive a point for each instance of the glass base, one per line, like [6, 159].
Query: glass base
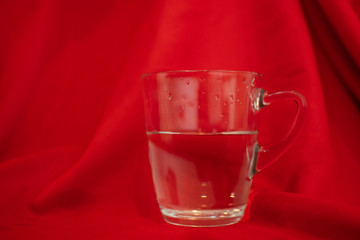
[203, 218]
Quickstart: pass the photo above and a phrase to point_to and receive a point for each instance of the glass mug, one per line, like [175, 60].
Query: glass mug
[202, 135]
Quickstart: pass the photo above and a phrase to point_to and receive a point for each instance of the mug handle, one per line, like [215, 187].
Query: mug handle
[273, 153]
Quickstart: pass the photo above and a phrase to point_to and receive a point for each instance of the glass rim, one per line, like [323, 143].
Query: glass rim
[143, 76]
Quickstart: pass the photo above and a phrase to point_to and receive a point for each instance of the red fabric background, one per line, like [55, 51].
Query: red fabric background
[73, 150]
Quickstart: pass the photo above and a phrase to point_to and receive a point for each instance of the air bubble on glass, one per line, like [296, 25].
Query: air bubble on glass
[231, 99]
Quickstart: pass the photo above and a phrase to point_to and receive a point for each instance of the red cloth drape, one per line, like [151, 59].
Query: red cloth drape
[73, 149]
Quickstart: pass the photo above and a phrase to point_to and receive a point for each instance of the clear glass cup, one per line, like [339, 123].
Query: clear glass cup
[202, 127]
